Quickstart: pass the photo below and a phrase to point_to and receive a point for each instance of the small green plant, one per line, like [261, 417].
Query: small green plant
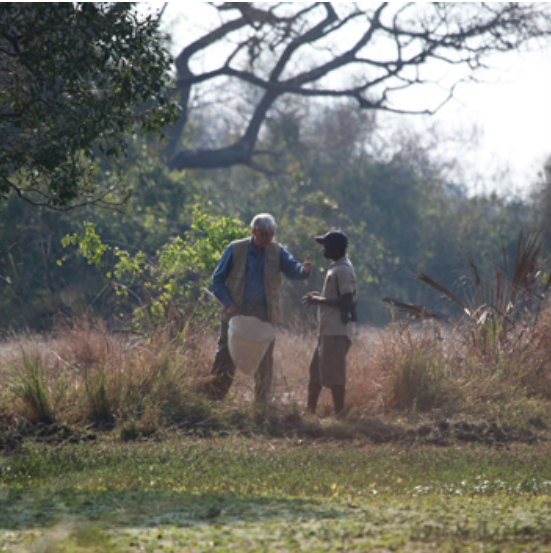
[100, 411]
[30, 385]
[129, 431]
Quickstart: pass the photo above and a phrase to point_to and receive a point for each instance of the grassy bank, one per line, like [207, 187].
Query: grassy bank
[242, 494]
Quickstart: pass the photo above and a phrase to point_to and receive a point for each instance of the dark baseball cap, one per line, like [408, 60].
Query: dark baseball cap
[335, 238]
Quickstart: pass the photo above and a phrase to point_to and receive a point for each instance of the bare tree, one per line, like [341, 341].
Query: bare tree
[376, 54]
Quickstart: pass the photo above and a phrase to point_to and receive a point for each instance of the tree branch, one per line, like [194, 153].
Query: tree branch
[396, 40]
[49, 201]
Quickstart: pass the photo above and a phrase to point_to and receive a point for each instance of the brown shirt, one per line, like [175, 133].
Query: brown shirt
[340, 280]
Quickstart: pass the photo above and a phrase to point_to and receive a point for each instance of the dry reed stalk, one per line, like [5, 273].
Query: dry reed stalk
[198, 350]
[537, 357]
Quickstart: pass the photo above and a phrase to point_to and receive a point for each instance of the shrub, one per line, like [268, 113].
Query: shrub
[128, 380]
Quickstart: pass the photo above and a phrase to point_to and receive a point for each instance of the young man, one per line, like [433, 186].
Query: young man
[336, 316]
[247, 280]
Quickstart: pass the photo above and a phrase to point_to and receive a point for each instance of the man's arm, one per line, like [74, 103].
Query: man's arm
[346, 301]
[292, 268]
[220, 276]
[345, 282]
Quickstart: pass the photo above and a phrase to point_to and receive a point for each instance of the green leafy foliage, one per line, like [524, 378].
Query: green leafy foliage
[166, 288]
[41, 281]
[76, 78]
[89, 244]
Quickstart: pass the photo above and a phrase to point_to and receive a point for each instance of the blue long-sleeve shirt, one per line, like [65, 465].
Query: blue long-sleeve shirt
[254, 293]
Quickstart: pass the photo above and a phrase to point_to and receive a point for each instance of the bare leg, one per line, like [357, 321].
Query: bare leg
[338, 398]
[314, 384]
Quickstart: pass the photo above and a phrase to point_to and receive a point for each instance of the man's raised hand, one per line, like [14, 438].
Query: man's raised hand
[307, 265]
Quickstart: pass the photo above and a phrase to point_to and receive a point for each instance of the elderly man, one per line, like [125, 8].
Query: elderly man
[336, 316]
[247, 280]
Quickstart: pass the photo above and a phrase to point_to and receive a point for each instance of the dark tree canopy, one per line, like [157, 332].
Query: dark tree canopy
[255, 53]
[74, 79]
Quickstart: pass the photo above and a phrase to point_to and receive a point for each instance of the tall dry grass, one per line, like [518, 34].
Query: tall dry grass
[496, 354]
[84, 375]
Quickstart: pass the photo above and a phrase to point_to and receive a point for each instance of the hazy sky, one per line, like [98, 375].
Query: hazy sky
[511, 110]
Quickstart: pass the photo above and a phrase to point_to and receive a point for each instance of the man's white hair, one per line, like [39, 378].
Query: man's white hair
[264, 221]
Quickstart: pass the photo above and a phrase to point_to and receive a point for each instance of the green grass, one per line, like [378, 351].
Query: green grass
[239, 494]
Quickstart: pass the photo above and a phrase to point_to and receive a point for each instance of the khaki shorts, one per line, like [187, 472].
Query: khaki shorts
[328, 365]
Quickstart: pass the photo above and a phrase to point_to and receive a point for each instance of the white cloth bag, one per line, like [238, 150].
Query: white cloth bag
[248, 340]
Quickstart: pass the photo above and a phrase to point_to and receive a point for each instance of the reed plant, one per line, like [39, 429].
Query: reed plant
[496, 352]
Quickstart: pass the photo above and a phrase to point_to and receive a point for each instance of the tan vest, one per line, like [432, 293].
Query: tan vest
[272, 276]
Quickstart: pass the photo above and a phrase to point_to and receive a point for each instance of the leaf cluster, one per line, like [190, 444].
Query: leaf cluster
[75, 79]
